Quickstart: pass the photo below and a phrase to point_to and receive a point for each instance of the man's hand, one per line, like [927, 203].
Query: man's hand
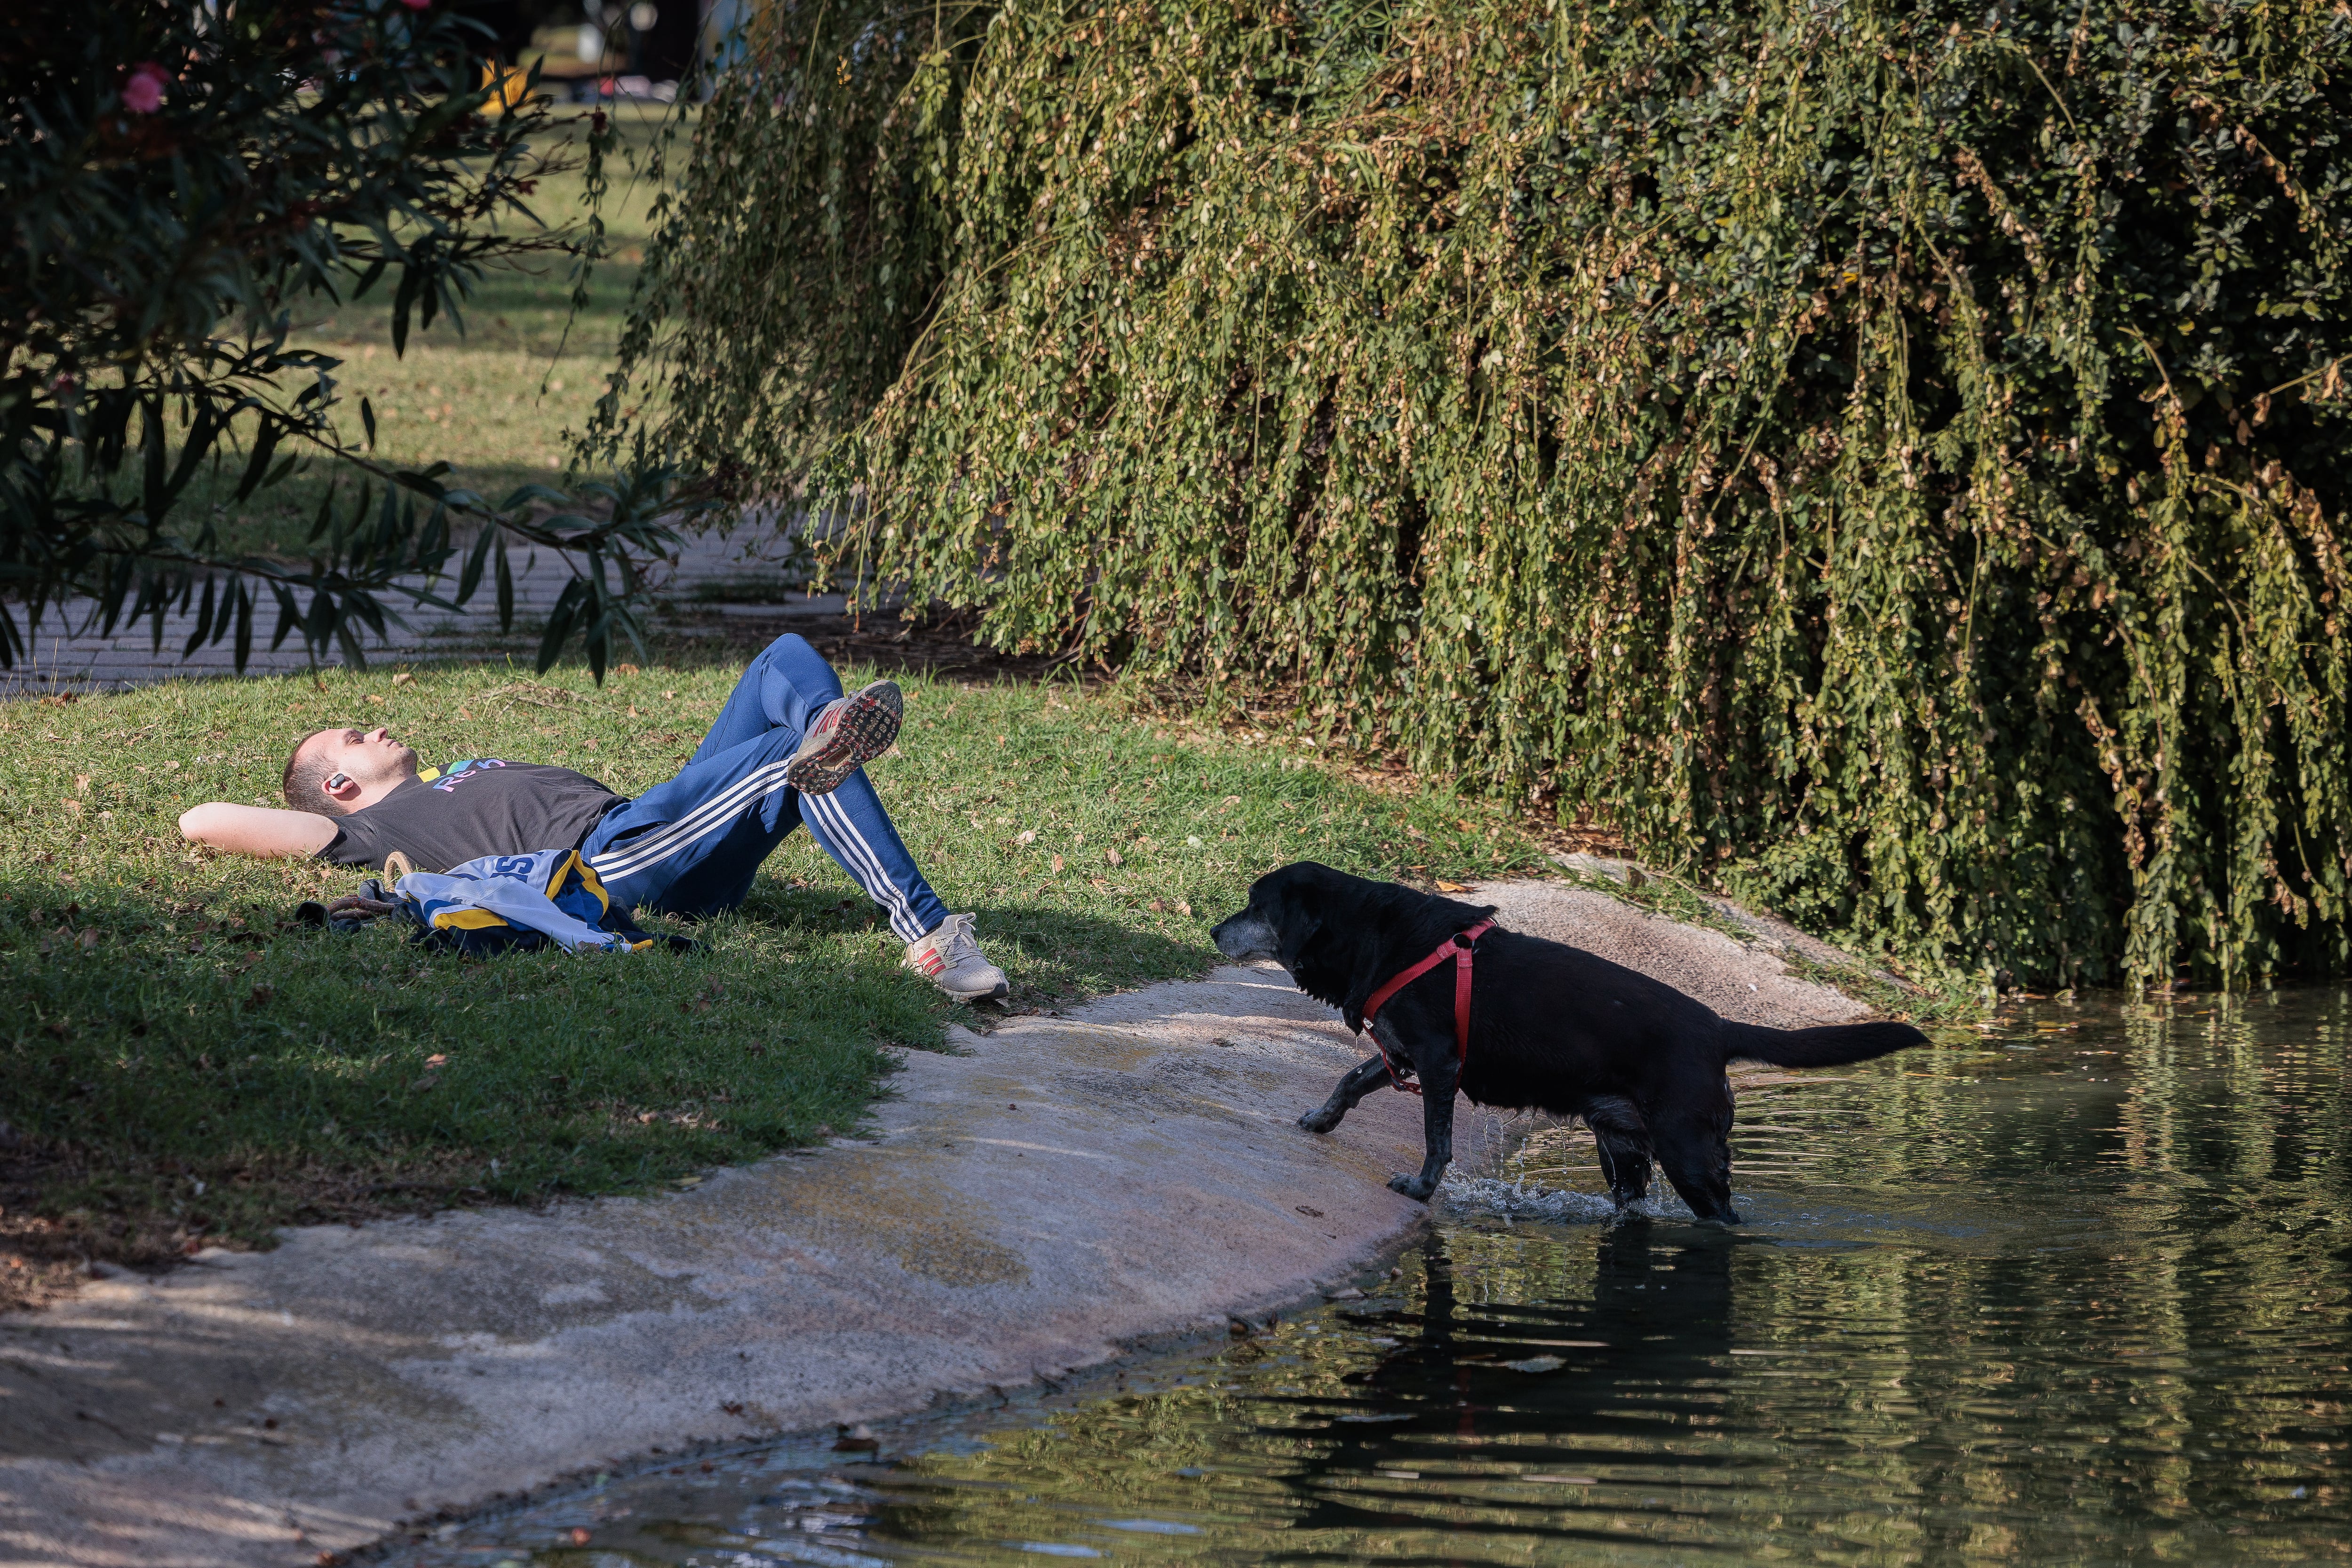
[257, 830]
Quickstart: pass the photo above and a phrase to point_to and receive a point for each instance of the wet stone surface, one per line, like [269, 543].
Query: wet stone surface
[2074, 1289]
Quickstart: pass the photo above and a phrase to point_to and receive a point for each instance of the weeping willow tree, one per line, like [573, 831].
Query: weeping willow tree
[1886, 458]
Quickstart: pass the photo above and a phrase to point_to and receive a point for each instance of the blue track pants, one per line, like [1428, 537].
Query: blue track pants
[691, 845]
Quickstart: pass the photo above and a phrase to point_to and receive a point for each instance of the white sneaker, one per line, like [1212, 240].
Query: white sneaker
[951, 959]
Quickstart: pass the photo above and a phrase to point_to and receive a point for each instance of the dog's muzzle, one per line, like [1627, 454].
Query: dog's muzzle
[1244, 937]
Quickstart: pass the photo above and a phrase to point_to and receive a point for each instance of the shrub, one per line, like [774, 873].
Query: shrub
[1890, 459]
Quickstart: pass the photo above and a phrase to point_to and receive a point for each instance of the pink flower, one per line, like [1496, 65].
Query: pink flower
[416, 5]
[144, 93]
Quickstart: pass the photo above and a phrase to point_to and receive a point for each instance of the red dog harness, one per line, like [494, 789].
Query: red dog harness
[1457, 948]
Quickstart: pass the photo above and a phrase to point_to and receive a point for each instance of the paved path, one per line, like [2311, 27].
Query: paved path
[66, 660]
[1062, 1189]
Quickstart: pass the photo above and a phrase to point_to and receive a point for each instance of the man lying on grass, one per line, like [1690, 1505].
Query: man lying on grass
[789, 748]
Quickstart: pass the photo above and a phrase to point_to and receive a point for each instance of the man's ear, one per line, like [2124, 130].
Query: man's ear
[340, 788]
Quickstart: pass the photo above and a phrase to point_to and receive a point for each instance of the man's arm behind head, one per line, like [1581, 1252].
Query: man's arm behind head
[318, 771]
[258, 830]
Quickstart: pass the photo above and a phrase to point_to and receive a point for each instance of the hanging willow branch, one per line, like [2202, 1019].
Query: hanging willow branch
[1890, 459]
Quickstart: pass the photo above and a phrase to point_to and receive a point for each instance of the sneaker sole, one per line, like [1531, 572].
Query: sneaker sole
[868, 725]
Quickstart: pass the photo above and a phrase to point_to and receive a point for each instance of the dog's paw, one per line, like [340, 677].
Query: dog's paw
[1413, 1187]
[1318, 1122]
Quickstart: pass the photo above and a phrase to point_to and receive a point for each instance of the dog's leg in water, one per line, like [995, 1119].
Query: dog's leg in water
[1693, 1146]
[1436, 1133]
[1358, 1083]
[1623, 1140]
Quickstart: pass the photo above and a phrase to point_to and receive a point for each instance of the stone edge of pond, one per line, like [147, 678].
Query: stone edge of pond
[944, 1406]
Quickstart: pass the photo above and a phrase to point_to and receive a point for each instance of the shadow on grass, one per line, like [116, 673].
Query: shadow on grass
[689, 633]
[1052, 953]
[185, 1074]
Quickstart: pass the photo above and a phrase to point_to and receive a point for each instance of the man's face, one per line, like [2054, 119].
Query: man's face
[367, 756]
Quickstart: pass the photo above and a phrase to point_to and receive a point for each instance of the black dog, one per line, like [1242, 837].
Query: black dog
[1551, 1026]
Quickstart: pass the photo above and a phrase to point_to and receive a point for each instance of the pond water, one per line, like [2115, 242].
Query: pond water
[2075, 1290]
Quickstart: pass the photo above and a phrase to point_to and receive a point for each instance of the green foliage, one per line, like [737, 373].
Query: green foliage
[183, 179]
[1888, 458]
[790, 321]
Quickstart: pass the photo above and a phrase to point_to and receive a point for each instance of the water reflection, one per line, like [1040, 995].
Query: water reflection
[2075, 1290]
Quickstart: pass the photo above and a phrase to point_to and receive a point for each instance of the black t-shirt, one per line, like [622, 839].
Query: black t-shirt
[470, 809]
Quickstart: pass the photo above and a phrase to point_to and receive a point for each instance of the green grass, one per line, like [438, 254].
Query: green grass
[495, 399]
[182, 1061]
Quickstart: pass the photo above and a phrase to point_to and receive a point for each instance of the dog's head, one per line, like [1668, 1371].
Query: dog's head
[1334, 932]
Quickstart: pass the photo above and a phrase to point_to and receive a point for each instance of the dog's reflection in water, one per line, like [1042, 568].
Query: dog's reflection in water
[1648, 1279]
[1652, 1330]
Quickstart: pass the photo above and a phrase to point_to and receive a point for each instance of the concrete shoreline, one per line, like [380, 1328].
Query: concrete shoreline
[1063, 1190]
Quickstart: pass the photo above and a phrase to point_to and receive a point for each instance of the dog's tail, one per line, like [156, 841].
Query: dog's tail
[1832, 1044]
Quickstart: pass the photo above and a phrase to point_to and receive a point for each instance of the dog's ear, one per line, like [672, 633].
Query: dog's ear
[1366, 964]
[1364, 977]
[1293, 928]
[1303, 941]
[1336, 962]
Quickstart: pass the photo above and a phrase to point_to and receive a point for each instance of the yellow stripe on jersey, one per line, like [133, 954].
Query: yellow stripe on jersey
[590, 880]
[470, 919]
